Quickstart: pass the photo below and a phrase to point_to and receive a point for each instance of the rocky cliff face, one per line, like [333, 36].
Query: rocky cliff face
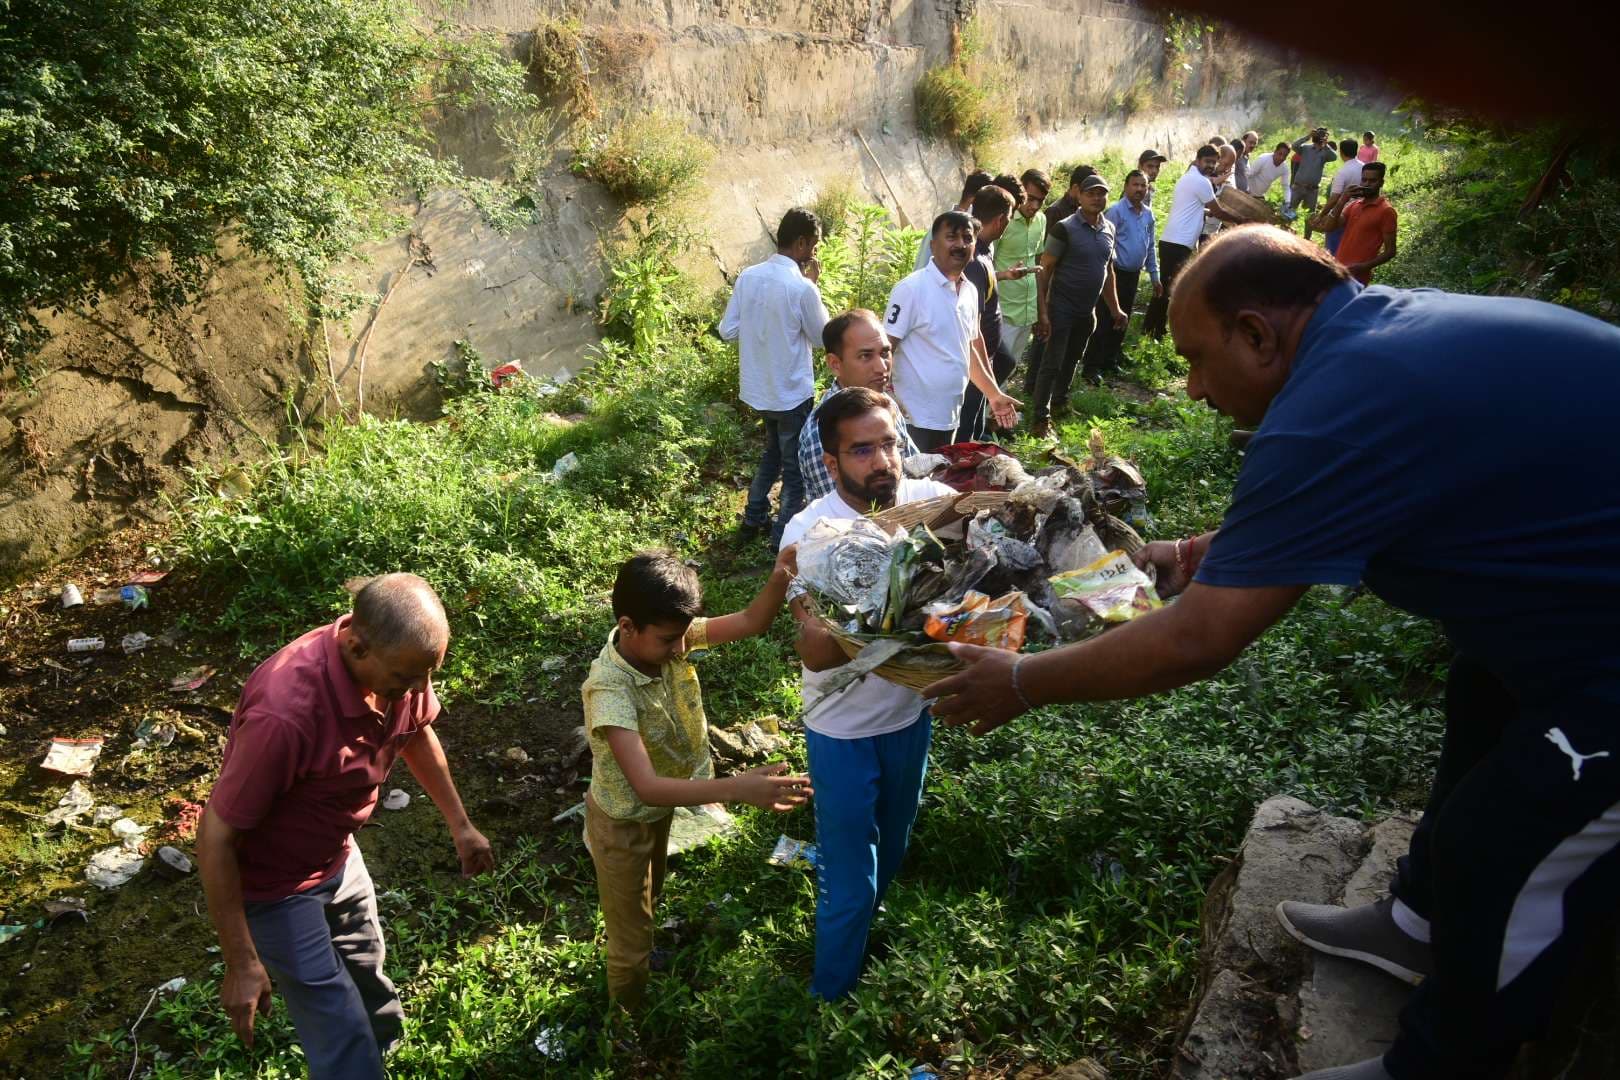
[779, 86]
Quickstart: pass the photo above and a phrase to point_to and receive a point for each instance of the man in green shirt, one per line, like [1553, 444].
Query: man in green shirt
[1021, 245]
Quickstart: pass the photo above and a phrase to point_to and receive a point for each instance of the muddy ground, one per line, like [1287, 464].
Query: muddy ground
[76, 977]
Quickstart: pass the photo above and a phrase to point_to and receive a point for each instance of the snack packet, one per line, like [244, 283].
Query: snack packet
[978, 620]
[1111, 588]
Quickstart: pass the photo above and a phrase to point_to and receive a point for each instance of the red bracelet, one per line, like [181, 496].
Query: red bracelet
[1184, 556]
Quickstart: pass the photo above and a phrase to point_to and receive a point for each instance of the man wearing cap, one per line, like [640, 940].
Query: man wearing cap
[1150, 161]
[1194, 197]
[1076, 270]
[316, 731]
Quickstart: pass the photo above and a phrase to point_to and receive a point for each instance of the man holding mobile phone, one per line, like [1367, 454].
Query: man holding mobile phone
[1368, 221]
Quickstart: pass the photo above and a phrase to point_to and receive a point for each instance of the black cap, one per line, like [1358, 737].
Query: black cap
[1093, 181]
[1150, 155]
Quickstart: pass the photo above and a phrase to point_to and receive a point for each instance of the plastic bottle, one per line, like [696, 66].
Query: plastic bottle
[71, 596]
[134, 596]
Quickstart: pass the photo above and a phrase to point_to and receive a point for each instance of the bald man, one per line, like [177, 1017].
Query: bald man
[316, 729]
[1395, 433]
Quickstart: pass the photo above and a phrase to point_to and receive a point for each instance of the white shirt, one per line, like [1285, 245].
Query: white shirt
[1213, 225]
[874, 705]
[934, 322]
[776, 316]
[1186, 224]
[1349, 175]
[1264, 172]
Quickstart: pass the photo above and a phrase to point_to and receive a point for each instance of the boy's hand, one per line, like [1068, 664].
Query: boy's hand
[769, 787]
[787, 560]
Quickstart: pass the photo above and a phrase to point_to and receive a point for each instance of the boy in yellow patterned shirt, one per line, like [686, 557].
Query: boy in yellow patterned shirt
[650, 744]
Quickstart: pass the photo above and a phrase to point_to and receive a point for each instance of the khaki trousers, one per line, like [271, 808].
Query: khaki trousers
[630, 858]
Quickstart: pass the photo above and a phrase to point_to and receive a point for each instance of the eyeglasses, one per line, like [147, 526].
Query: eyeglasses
[888, 447]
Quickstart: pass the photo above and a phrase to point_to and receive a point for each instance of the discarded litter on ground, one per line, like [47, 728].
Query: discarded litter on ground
[175, 861]
[396, 800]
[130, 832]
[86, 644]
[111, 867]
[191, 680]
[800, 854]
[62, 907]
[134, 643]
[72, 757]
[75, 803]
[71, 597]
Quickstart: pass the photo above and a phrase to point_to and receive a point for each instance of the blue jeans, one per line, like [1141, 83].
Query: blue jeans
[867, 791]
[323, 949]
[1331, 241]
[781, 458]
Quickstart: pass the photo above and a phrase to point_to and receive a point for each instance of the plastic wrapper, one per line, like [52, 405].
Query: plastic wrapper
[1117, 483]
[795, 853]
[1112, 589]
[979, 620]
[948, 579]
[1001, 473]
[848, 562]
[1066, 540]
[913, 552]
[922, 466]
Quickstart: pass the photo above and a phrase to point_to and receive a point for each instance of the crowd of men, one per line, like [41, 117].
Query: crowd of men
[1011, 275]
[1385, 436]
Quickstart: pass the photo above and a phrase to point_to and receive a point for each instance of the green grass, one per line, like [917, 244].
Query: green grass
[1049, 908]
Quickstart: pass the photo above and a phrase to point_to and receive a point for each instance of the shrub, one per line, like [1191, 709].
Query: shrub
[966, 100]
[861, 264]
[648, 158]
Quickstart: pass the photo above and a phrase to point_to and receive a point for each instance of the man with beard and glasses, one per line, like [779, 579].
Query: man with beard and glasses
[858, 354]
[867, 745]
[933, 320]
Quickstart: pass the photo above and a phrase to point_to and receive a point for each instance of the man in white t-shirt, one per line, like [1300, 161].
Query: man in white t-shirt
[1265, 172]
[1348, 176]
[933, 320]
[868, 744]
[1194, 197]
[776, 316]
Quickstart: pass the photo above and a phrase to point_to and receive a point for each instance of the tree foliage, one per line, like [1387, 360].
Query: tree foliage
[136, 134]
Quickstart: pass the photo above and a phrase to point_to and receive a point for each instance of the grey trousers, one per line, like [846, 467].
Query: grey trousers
[324, 951]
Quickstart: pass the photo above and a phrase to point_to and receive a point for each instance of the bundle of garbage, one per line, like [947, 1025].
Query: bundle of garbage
[1045, 559]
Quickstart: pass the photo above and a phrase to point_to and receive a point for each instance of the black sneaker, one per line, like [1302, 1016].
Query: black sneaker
[1367, 933]
[1371, 1069]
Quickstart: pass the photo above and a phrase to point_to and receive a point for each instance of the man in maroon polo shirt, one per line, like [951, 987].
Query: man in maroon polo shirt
[316, 729]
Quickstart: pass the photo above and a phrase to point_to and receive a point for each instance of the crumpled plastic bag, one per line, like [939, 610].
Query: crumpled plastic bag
[1112, 588]
[847, 561]
[1066, 540]
[922, 466]
[979, 620]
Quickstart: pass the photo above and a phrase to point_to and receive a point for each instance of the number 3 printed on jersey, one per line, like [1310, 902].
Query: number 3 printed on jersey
[894, 314]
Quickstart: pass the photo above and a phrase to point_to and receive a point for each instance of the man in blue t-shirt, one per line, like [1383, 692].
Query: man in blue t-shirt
[1408, 440]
